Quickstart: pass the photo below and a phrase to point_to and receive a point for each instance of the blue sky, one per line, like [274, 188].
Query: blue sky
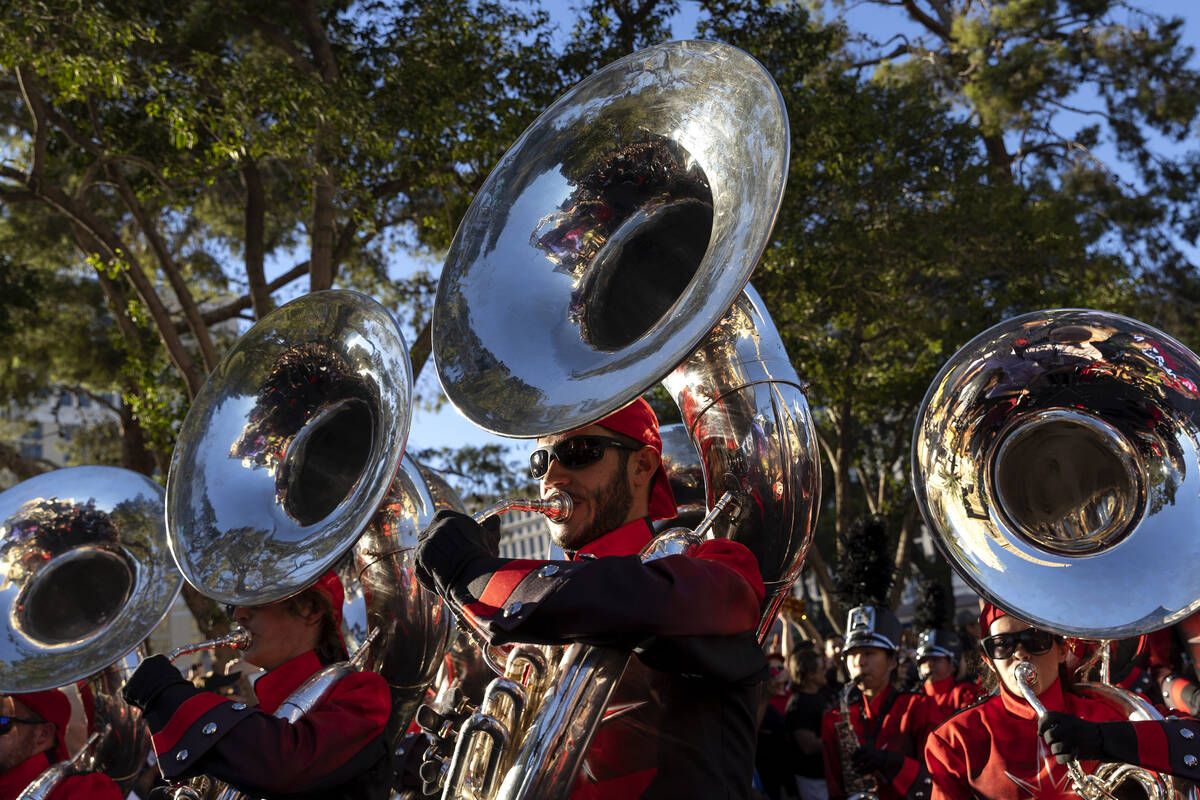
[448, 428]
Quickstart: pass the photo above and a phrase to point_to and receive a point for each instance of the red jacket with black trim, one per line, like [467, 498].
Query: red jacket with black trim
[340, 748]
[90, 786]
[682, 721]
[950, 696]
[993, 749]
[903, 730]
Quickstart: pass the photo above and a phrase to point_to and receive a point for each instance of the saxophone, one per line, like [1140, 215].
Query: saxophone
[858, 787]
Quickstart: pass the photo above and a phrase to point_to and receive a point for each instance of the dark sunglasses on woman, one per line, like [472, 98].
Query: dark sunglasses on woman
[574, 453]
[7, 723]
[1003, 645]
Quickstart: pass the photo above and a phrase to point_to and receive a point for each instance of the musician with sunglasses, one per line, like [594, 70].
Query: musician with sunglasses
[998, 750]
[33, 739]
[688, 700]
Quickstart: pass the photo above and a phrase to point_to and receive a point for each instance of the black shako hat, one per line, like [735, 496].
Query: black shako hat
[872, 626]
[938, 642]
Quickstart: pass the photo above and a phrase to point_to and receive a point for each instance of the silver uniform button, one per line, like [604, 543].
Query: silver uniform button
[209, 729]
[548, 571]
[1190, 760]
[181, 755]
[1187, 733]
[513, 610]
[239, 706]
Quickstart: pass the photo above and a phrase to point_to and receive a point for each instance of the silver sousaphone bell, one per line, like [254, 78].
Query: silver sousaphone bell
[291, 450]
[1057, 457]
[85, 576]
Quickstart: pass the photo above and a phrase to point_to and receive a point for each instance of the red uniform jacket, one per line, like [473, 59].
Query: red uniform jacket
[92, 786]
[950, 697]
[903, 730]
[993, 749]
[339, 742]
[691, 693]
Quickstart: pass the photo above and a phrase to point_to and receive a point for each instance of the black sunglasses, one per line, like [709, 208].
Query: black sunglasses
[7, 723]
[573, 453]
[1003, 645]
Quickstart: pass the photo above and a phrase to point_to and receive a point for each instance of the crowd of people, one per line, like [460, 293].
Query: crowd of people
[943, 714]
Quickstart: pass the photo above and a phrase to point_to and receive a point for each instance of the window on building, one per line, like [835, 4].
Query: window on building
[31, 450]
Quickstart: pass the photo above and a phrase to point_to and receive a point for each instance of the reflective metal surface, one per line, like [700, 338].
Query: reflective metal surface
[85, 574]
[682, 464]
[382, 592]
[124, 740]
[1056, 457]
[289, 448]
[613, 232]
[745, 408]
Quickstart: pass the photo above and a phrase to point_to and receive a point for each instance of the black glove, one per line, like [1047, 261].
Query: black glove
[887, 763]
[1189, 694]
[153, 677]
[1071, 737]
[448, 546]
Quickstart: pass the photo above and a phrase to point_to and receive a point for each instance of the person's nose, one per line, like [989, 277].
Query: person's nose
[241, 615]
[557, 476]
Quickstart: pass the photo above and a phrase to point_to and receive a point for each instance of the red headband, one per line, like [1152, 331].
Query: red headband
[987, 616]
[638, 421]
[331, 586]
[54, 707]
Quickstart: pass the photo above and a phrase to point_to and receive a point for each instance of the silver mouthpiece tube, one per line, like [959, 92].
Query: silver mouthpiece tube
[557, 507]
[238, 639]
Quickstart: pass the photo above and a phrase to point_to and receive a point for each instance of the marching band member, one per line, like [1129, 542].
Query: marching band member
[939, 654]
[890, 726]
[32, 739]
[997, 749]
[690, 620]
[340, 748]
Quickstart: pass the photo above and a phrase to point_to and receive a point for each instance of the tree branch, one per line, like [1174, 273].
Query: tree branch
[232, 309]
[169, 267]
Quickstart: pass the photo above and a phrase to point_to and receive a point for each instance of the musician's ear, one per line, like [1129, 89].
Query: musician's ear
[44, 737]
[643, 465]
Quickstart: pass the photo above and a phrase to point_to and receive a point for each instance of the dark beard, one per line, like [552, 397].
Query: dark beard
[610, 509]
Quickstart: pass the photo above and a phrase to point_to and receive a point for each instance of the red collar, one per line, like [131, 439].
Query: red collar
[938, 688]
[627, 540]
[15, 780]
[873, 708]
[1052, 699]
[275, 687]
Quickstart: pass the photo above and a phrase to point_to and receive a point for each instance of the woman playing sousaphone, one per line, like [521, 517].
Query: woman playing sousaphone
[339, 748]
[1000, 750]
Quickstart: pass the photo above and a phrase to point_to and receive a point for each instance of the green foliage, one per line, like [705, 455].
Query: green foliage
[481, 474]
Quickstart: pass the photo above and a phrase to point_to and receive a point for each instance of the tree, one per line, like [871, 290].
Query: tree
[1091, 99]
[160, 157]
